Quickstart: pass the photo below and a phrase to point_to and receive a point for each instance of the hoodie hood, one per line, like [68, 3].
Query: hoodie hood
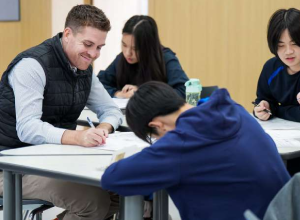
[217, 118]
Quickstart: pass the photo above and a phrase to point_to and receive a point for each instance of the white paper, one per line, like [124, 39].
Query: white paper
[285, 139]
[284, 134]
[279, 124]
[121, 140]
[290, 143]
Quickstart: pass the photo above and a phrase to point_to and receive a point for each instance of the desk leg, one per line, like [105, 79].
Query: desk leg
[160, 205]
[18, 196]
[132, 208]
[8, 195]
[122, 208]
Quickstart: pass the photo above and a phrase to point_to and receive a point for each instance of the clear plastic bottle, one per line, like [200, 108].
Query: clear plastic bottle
[193, 91]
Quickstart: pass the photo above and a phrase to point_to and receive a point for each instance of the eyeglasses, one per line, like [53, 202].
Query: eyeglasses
[149, 138]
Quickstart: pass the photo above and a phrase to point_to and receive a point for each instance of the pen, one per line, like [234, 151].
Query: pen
[90, 122]
[265, 110]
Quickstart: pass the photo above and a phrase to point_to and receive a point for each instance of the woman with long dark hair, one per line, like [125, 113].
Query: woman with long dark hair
[143, 59]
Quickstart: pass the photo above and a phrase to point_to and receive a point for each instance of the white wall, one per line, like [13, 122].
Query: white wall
[118, 12]
[60, 9]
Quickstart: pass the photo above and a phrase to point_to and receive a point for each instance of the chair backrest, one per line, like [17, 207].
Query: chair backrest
[30, 202]
[35, 206]
[285, 205]
[249, 215]
[207, 91]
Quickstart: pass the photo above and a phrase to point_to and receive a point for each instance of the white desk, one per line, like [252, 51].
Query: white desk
[286, 135]
[55, 150]
[77, 168]
[81, 169]
[82, 165]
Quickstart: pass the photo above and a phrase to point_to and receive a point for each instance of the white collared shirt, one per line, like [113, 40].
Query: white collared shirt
[28, 80]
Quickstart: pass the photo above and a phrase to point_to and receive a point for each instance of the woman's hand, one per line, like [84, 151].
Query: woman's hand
[126, 92]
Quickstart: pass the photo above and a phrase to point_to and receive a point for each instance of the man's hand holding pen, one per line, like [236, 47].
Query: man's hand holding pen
[262, 110]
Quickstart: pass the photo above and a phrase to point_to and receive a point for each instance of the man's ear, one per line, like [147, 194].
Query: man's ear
[66, 34]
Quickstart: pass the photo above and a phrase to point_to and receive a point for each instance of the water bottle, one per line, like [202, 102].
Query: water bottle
[193, 91]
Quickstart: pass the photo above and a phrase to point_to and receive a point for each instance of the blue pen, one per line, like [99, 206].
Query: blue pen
[90, 122]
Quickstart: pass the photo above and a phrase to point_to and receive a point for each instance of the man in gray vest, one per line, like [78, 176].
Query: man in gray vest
[42, 93]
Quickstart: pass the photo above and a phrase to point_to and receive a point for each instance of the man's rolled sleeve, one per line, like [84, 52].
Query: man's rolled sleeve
[101, 103]
[54, 135]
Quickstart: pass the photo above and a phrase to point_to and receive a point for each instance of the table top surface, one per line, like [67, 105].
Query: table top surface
[70, 161]
[87, 164]
[78, 168]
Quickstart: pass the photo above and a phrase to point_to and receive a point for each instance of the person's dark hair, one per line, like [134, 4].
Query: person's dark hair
[151, 65]
[283, 19]
[152, 99]
[87, 16]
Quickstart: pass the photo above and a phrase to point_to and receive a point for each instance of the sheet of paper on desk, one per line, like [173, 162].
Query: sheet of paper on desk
[287, 143]
[284, 134]
[122, 103]
[122, 140]
[279, 124]
[285, 138]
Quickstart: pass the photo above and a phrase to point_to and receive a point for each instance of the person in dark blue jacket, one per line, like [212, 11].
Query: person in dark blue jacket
[214, 160]
[279, 82]
[143, 59]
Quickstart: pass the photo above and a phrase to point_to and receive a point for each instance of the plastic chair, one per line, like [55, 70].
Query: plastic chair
[32, 208]
[249, 215]
[285, 205]
[207, 91]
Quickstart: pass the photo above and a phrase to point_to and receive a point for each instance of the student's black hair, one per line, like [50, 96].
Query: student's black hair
[152, 99]
[283, 19]
[151, 65]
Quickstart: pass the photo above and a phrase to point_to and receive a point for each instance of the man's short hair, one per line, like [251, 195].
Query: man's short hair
[152, 99]
[283, 19]
[87, 16]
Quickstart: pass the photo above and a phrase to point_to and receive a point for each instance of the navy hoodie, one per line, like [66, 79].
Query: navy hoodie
[215, 164]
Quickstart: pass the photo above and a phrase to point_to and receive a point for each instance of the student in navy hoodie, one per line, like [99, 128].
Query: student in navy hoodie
[143, 59]
[214, 160]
